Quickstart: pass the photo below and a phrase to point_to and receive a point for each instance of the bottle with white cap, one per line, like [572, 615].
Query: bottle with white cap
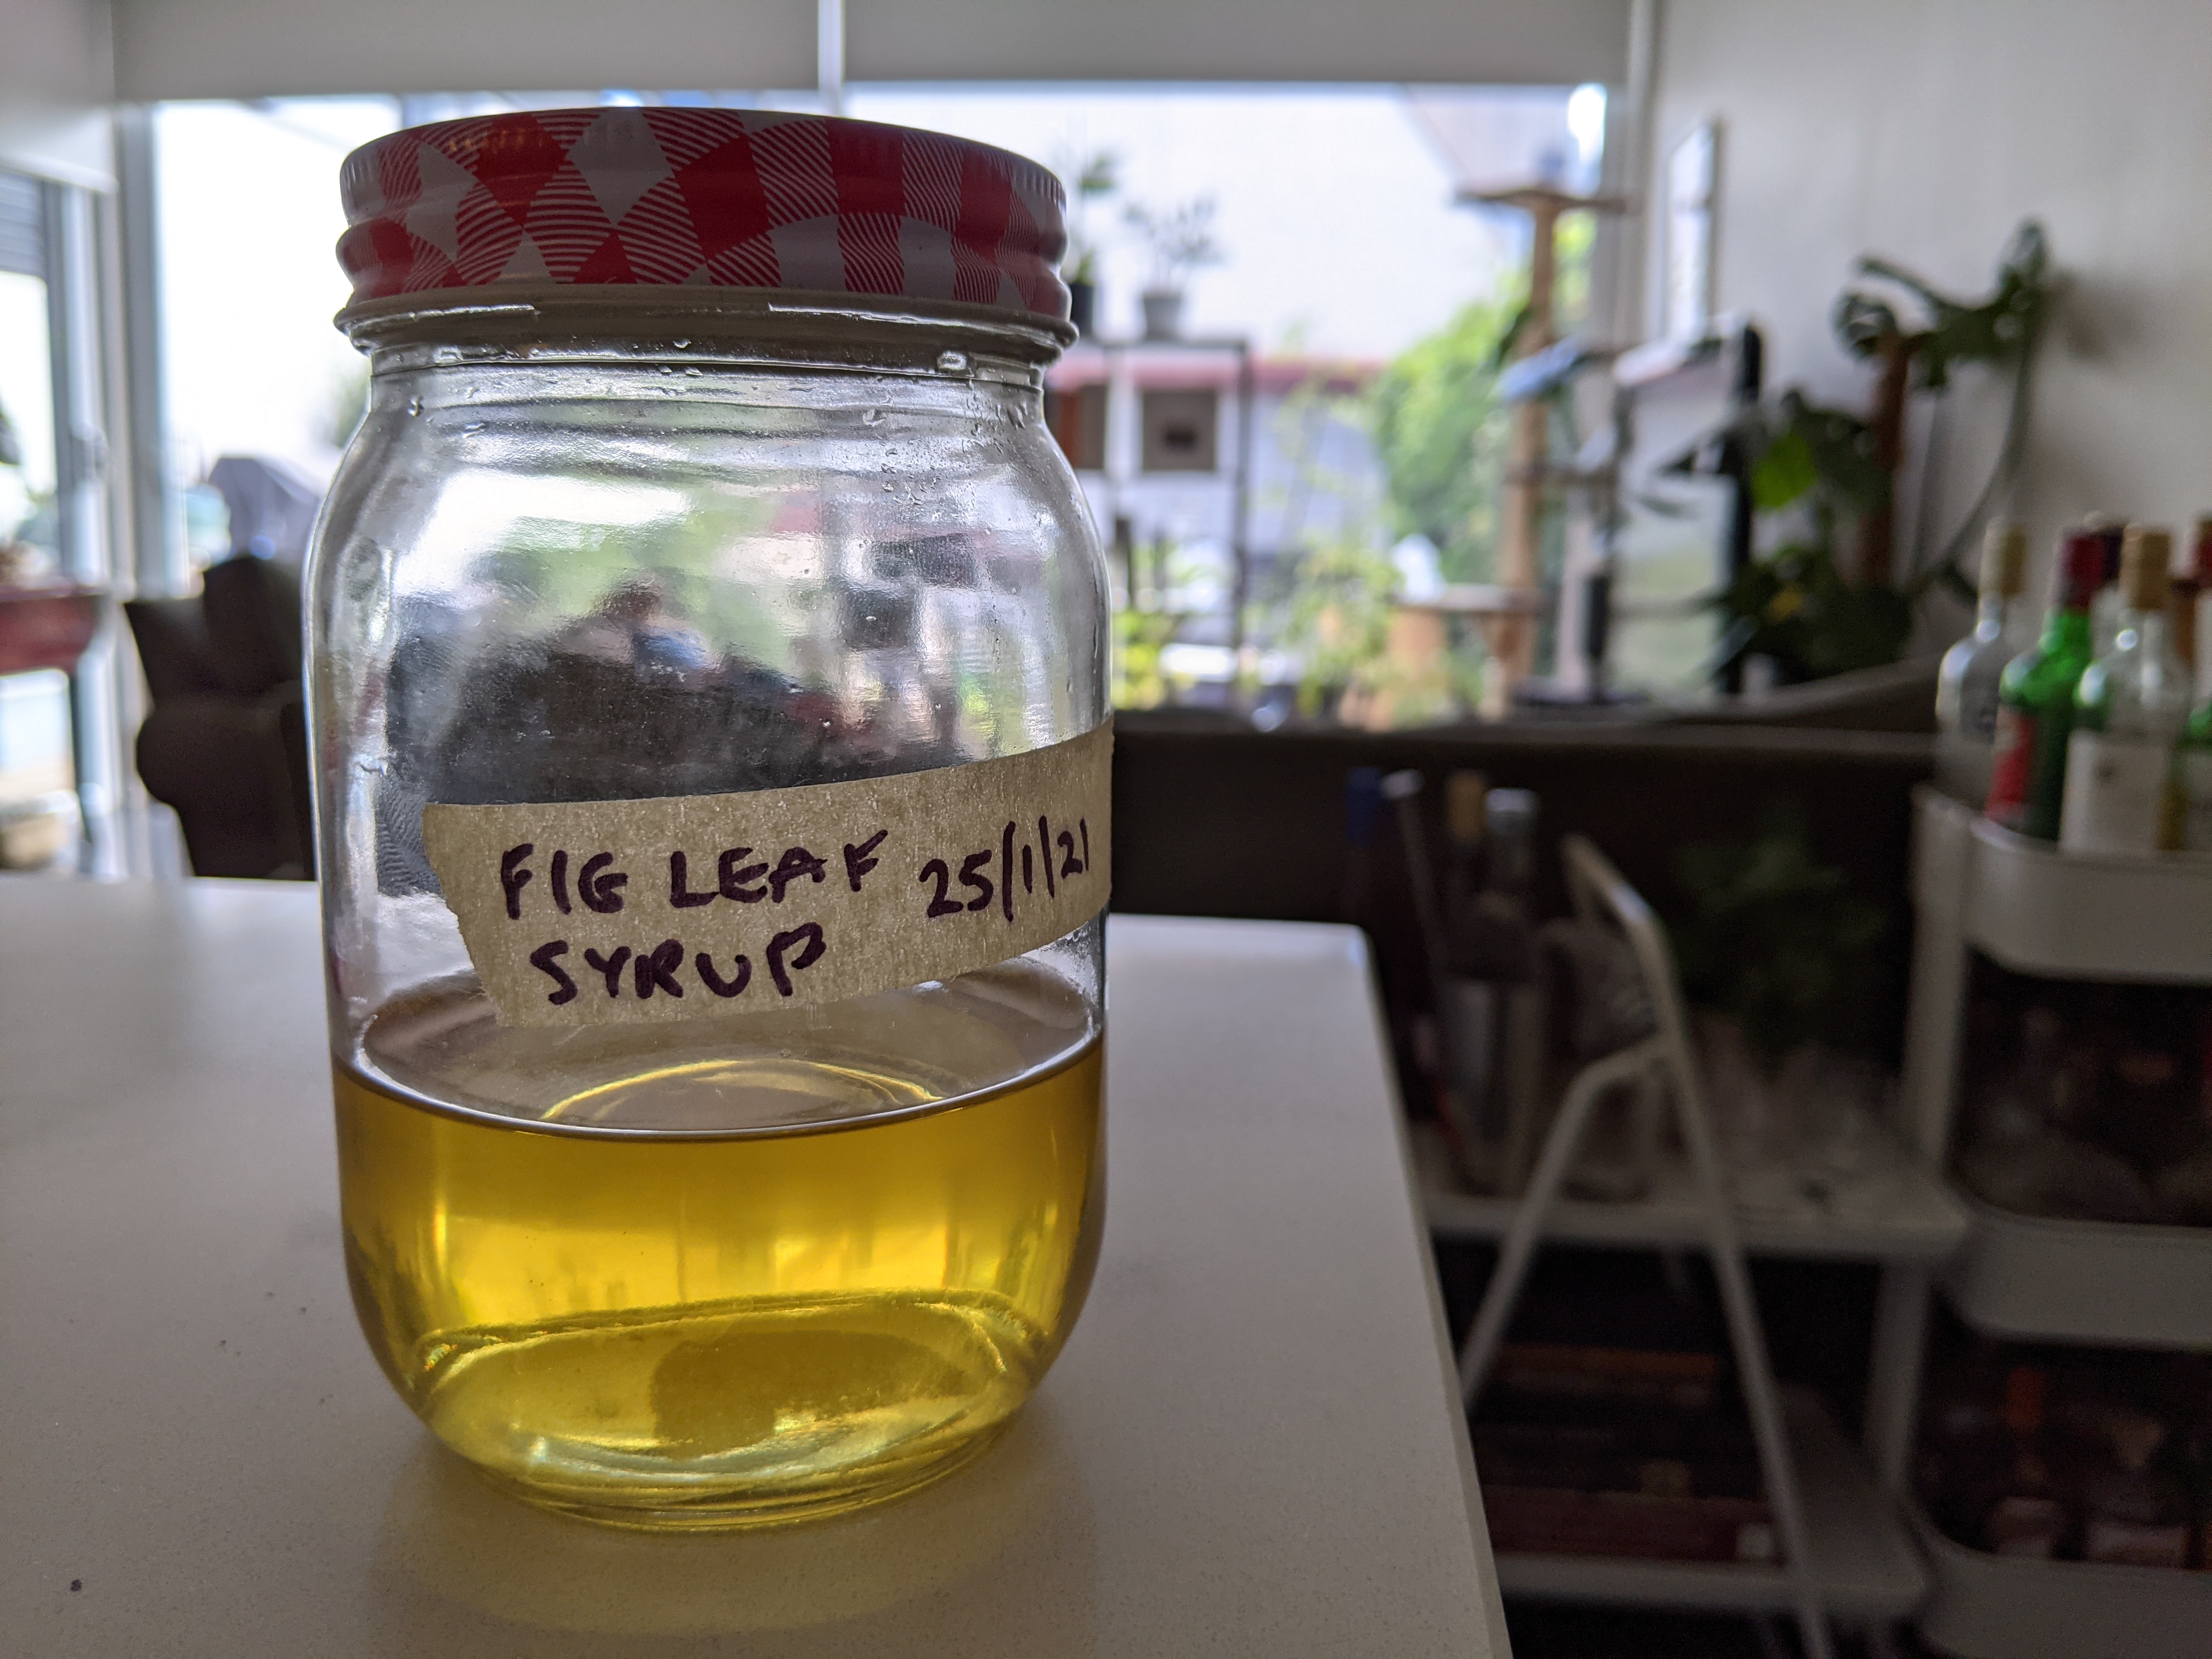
[1966, 685]
[2129, 712]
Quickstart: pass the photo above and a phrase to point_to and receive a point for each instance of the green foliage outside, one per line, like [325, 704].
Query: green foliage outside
[1145, 624]
[1440, 432]
[348, 404]
[1339, 616]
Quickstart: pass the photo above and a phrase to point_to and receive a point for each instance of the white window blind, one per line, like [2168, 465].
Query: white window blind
[272, 48]
[1502, 42]
[278, 48]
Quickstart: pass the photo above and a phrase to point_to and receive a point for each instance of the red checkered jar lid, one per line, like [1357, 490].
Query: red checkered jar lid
[713, 198]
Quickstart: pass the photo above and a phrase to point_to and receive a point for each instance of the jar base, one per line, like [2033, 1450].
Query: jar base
[756, 1509]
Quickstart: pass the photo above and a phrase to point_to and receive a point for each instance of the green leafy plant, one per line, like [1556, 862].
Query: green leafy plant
[2001, 331]
[1181, 239]
[1339, 617]
[1795, 608]
[1088, 179]
[1829, 470]
[1139, 639]
[1145, 626]
[1776, 940]
[1793, 605]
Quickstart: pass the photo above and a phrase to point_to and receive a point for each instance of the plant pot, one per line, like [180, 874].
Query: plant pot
[1163, 314]
[1083, 306]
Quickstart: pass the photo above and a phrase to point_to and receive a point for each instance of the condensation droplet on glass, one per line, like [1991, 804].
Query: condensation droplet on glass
[871, 417]
[952, 362]
[695, 371]
[473, 426]
[682, 344]
[414, 405]
[445, 355]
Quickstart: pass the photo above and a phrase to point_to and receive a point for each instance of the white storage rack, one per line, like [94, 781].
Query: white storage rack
[1851, 1556]
[2036, 911]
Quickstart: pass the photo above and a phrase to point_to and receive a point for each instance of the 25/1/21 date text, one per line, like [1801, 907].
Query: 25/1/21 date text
[976, 867]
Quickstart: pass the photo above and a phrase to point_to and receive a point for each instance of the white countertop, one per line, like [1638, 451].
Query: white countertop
[1250, 1446]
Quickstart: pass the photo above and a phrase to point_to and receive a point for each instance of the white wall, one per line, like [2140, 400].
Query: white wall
[55, 74]
[1924, 131]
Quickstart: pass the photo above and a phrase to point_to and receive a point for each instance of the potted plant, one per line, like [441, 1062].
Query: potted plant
[1181, 241]
[1089, 178]
[1829, 470]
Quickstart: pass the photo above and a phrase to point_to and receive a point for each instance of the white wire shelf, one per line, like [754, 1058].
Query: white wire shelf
[2084, 1281]
[1891, 1211]
[1996, 1607]
[1862, 1555]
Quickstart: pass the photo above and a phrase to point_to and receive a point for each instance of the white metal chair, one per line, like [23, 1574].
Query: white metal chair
[1600, 893]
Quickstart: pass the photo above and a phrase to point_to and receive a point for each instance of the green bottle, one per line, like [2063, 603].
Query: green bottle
[2035, 699]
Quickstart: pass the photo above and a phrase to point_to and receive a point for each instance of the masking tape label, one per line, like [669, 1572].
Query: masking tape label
[585, 913]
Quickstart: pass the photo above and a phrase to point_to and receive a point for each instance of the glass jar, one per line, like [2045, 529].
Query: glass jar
[695, 636]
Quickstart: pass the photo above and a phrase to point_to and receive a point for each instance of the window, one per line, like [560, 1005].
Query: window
[1179, 430]
[30, 545]
[57, 724]
[1314, 240]
[1077, 416]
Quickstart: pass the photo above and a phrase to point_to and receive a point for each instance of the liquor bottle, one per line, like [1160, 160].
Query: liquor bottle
[2105, 609]
[1466, 819]
[2134, 1506]
[1488, 998]
[2022, 1153]
[1499, 946]
[2191, 583]
[2192, 765]
[2029, 1516]
[1966, 685]
[2035, 698]
[2128, 711]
